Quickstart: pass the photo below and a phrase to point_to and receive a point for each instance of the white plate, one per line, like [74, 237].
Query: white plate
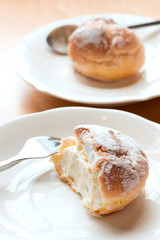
[51, 73]
[36, 205]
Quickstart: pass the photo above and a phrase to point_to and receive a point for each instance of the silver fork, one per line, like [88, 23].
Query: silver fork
[34, 148]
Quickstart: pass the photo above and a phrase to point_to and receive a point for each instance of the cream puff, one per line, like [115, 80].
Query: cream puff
[106, 167]
[106, 51]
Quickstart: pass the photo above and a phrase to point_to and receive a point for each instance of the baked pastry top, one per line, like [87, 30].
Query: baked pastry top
[105, 50]
[106, 167]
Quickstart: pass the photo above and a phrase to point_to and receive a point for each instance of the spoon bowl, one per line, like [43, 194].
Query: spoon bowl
[58, 38]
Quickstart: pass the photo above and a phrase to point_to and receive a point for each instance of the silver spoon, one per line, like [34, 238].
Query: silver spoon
[58, 38]
[34, 148]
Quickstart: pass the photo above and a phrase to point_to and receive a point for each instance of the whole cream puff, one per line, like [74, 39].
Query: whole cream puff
[106, 51]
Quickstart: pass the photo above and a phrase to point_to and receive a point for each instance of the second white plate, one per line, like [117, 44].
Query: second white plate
[36, 205]
[51, 73]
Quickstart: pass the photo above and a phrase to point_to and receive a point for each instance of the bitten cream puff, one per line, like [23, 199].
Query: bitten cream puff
[106, 51]
[106, 167]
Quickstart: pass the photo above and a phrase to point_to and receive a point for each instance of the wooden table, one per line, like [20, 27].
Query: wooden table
[19, 17]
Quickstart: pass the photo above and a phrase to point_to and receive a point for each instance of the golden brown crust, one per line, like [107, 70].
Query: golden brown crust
[123, 168]
[104, 50]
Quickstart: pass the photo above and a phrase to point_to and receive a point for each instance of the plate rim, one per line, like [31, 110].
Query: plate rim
[41, 113]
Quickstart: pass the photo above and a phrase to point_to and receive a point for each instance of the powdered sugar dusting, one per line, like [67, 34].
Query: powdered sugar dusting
[121, 153]
[91, 34]
[102, 32]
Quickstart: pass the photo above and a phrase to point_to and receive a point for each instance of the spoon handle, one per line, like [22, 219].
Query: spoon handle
[144, 24]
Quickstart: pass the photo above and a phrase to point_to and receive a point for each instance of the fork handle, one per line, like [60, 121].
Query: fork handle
[6, 164]
[11, 162]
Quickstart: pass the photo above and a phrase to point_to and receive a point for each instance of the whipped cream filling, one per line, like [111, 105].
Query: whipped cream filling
[78, 171]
